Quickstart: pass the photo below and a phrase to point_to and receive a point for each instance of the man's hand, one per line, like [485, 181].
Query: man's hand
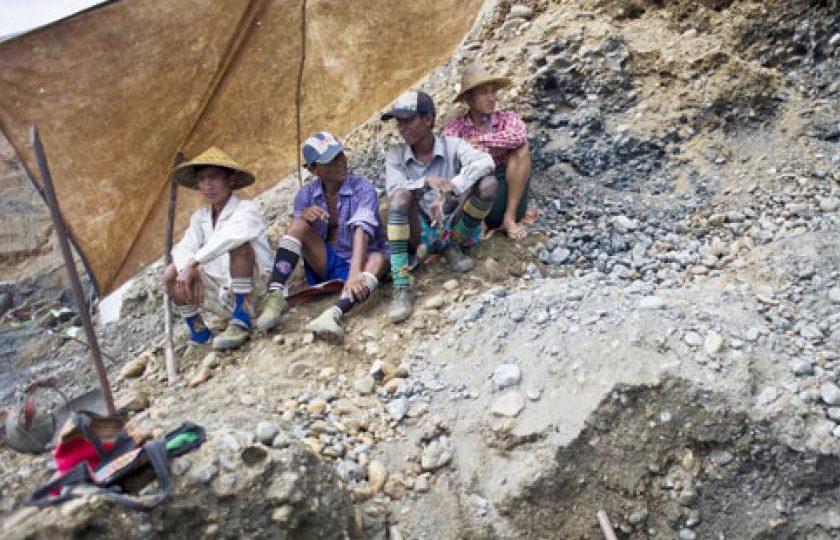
[436, 209]
[313, 214]
[355, 287]
[441, 184]
[189, 284]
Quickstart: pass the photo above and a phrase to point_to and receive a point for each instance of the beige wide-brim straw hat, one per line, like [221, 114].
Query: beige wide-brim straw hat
[474, 76]
[213, 156]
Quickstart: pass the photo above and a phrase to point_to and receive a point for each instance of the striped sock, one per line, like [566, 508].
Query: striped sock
[345, 303]
[398, 237]
[475, 210]
[288, 253]
[241, 288]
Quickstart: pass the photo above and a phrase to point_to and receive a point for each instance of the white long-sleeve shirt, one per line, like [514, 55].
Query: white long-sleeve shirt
[239, 222]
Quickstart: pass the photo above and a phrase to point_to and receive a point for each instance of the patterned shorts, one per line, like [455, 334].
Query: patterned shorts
[434, 239]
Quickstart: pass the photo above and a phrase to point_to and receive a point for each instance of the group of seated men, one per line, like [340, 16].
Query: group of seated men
[440, 190]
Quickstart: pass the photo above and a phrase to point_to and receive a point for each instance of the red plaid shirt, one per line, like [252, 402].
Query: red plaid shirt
[504, 131]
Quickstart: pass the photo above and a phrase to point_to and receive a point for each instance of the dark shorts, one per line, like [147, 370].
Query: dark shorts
[497, 212]
[337, 268]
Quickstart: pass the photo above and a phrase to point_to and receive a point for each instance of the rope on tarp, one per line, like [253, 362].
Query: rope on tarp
[298, 95]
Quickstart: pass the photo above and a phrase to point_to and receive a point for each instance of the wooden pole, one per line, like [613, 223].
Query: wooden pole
[69, 263]
[169, 352]
[606, 527]
[298, 87]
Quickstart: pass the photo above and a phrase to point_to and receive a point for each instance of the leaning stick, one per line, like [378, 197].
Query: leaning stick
[169, 352]
[606, 527]
[70, 264]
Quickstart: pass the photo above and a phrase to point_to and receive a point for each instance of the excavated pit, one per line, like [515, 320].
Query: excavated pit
[669, 458]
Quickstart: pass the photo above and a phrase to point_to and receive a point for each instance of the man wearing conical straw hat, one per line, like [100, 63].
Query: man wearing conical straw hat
[503, 135]
[223, 250]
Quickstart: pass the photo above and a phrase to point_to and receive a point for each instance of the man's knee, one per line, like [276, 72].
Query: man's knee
[519, 157]
[170, 274]
[298, 228]
[400, 199]
[244, 252]
[487, 187]
[170, 277]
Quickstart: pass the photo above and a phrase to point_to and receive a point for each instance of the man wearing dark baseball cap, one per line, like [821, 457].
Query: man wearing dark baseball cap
[440, 190]
[337, 231]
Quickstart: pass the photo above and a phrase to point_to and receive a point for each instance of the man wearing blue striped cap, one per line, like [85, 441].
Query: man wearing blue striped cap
[337, 231]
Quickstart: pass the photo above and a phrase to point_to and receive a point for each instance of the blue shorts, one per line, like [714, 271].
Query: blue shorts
[337, 268]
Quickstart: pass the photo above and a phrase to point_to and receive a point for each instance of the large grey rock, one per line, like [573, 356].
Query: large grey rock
[398, 408]
[350, 471]
[204, 474]
[687, 534]
[693, 339]
[506, 375]
[829, 204]
[436, 454]
[811, 331]
[265, 432]
[721, 458]
[713, 343]
[767, 396]
[829, 393]
[364, 385]
[651, 303]
[508, 404]
[624, 224]
[802, 367]
[521, 11]
[559, 256]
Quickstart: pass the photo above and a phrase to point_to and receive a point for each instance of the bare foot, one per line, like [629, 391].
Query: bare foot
[514, 230]
[530, 217]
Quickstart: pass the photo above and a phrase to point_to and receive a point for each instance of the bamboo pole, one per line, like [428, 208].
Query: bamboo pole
[169, 352]
[69, 263]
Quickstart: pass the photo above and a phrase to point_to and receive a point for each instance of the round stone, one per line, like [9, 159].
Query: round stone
[266, 431]
[508, 404]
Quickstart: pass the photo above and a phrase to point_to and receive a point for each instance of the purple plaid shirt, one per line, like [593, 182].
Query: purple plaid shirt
[357, 207]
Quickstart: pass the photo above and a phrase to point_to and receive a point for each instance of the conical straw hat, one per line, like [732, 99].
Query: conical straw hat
[474, 76]
[185, 172]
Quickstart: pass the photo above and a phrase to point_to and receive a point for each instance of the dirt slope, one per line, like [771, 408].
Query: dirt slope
[664, 346]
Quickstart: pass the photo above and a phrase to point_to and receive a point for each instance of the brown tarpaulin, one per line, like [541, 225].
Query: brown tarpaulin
[118, 90]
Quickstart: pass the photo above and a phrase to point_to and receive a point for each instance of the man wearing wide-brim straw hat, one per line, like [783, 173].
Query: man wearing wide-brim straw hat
[503, 135]
[223, 250]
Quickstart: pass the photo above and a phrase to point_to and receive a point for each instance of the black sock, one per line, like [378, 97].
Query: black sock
[345, 304]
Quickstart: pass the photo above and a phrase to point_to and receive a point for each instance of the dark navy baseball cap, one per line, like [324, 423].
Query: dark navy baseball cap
[411, 103]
